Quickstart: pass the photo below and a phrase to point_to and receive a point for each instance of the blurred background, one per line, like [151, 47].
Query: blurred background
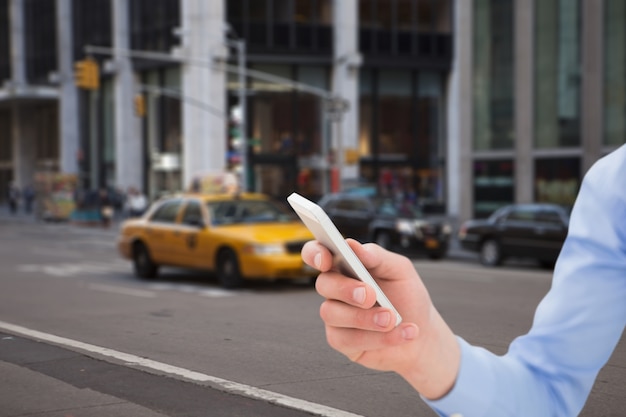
[468, 105]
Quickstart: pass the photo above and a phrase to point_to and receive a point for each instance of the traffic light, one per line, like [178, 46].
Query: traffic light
[140, 105]
[351, 156]
[86, 74]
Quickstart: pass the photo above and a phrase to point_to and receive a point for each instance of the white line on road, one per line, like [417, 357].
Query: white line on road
[224, 384]
[122, 290]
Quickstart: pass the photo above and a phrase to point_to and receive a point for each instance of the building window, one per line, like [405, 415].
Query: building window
[557, 73]
[41, 39]
[153, 23]
[394, 113]
[5, 61]
[46, 120]
[557, 180]
[493, 82]
[6, 136]
[614, 72]
[405, 27]
[493, 186]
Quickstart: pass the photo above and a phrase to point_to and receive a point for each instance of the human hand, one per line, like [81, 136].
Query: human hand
[422, 349]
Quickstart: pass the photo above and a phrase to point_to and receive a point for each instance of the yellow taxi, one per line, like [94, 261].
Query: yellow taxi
[239, 237]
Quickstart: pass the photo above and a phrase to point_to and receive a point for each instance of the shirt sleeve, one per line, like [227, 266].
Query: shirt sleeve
[551, 370]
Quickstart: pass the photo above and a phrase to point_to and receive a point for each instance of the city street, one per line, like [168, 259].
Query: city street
[81, 336]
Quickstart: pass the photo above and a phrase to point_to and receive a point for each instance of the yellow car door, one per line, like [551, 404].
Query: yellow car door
[160, 232]
[192, 226]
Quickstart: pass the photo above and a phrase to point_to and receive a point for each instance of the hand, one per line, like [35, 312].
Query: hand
[422, 349]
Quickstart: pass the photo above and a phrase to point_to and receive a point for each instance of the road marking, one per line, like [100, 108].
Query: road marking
[224, 384]
[122, 290]
[195, 289]
[72, 269]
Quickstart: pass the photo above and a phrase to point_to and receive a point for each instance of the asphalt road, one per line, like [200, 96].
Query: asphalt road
[80, 336]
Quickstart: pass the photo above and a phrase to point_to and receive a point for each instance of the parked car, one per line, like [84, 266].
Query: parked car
[534, 231]
[379, 219]
[240, 237]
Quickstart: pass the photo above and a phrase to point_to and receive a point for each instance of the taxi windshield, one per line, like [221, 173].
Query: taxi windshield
[247, 211]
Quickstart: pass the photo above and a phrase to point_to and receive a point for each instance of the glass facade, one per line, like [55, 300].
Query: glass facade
[557, 180]
[494, 185]
[493, 76]
[5, 61]
[557, 73]
[419, 28]
[41, 39]
[401, 115]
[614, 94]
[163, 130]
[286, 131]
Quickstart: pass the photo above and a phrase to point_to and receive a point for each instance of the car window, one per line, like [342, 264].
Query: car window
[247, 211]
[549, 216]
[167, 212]
[360, 205]
[521, 214]
[345, 204]
[193, 213]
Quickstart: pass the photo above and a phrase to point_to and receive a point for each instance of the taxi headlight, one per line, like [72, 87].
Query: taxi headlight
[268, 249]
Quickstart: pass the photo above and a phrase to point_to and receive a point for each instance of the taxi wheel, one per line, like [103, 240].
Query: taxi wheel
[144, 267]
[228, 269]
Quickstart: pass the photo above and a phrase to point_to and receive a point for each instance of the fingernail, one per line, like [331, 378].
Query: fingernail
[317, 260]
[382, 319]
[358, 295]
[408, 333]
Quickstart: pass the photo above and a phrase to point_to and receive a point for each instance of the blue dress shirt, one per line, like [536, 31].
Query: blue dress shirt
[551, 370]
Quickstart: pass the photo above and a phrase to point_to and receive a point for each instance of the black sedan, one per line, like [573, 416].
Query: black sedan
[534, 231]
[381, 220]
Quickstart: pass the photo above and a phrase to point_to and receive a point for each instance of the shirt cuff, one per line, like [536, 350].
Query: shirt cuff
[474, 390]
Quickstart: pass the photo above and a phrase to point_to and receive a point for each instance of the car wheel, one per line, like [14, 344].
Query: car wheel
[145, 268]
[228, 269]
[383, 239]
[490, 253]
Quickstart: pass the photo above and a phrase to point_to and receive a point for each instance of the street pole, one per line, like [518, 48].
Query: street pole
[243, 131]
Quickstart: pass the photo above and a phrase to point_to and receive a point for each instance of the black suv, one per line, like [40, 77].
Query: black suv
[395, 227]
[534, 231]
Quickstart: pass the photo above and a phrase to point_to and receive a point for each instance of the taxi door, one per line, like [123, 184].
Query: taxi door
[160, 230]
[193, 226]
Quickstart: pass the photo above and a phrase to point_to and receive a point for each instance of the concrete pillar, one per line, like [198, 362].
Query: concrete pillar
[128, 135]
[524, 100]
[204, 133]
[345, 79]
[24, 144]
[460, 106]
[592, 118]
[17, 43]
[69, 127]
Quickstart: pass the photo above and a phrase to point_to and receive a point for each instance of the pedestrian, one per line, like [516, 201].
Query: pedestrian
[106, 207]
[136, 202]
[29, 198]
[547, 372]
[13, 197]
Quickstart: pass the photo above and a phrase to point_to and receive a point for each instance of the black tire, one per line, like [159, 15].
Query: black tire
[145, 268]
[228, 271]
[490, 253]
[383, 239]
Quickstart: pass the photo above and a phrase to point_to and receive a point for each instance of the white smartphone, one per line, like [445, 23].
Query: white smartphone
[344, 258]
